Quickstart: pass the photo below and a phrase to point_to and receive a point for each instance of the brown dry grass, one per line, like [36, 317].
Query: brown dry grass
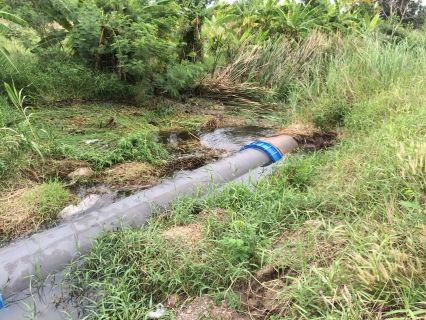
[218, 213]
[26, 209]
[187, 236]
[213, 122]
[17, 216]
[204, 307]
[130, 176]
[58, 168]
[298, 130]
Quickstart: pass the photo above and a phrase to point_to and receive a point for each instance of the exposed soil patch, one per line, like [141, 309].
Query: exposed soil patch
[204, 307]
[185, 236]
[308, 138]
[262, 296]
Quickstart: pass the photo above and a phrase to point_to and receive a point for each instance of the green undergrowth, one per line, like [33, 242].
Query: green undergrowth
[121, 133]
[48, 199]
[125, 133]
[344, 228]
[134, 147]
[55, 76]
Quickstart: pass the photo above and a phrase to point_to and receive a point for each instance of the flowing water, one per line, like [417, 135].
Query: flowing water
[228, 138]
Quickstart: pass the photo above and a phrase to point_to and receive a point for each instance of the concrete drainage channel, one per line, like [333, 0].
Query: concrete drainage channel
[45, 254]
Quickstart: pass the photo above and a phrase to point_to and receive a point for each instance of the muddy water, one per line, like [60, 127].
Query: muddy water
[233, 138]
[228, 138]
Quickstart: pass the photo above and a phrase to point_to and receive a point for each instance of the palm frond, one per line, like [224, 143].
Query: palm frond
[5, 61]
[4, 28]
[52, 39]
[58, 16]
[12, 18]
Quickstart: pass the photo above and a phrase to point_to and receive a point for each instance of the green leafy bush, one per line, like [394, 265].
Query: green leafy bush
[179, 77]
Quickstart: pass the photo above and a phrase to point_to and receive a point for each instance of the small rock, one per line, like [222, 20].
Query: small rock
[79, 208]
[83, 172]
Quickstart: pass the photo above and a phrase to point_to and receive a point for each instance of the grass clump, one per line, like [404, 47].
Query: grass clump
[139, 146]
[28, 208]
[49, 198]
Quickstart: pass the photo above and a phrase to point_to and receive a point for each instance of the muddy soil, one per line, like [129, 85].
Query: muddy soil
[261, 298]
[190, 162]
[204, 307]
[310, 139]
[190, 150]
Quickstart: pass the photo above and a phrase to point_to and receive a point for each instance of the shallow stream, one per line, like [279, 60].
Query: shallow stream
[228, 138]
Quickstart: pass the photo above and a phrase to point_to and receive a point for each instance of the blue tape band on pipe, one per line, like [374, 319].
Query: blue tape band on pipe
[273, 153]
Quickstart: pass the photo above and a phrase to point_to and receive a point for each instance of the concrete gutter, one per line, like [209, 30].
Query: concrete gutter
[47, 252]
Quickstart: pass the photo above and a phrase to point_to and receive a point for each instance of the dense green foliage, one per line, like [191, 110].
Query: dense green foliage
[148, 45]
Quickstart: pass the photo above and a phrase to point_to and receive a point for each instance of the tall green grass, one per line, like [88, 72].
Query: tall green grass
[56, 76]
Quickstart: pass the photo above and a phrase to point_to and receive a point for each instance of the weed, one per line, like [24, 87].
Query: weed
[26, 137]
[135, 147]
[330, 114]
[413, 166]
[48, 200]
[300, 172]
[60, 78]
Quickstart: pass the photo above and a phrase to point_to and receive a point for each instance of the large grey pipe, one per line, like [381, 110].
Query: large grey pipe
[47, 252]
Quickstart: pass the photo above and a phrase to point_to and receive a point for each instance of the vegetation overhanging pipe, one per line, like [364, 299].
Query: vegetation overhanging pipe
[48, 251]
